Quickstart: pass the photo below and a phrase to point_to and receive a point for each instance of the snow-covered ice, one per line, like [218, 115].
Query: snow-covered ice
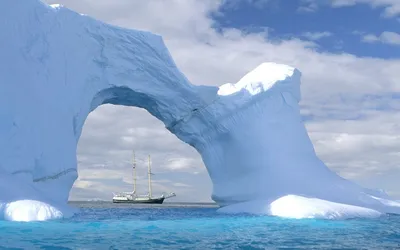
[58, 66]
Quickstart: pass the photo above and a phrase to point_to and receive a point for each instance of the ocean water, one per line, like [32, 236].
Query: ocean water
[102, 225]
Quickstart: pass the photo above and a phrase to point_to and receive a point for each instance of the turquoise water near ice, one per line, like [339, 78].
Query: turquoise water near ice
[109, 226]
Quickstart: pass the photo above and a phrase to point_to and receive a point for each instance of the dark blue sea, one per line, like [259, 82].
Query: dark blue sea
[102, 225]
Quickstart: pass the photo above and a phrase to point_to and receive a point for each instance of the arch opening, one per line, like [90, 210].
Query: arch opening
[122, 120]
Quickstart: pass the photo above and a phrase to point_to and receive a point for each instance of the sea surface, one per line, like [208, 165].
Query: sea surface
[103, 225]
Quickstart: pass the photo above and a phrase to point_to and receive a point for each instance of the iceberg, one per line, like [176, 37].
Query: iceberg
[59, 65]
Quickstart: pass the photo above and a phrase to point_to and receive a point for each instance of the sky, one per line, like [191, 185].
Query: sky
[347, 50]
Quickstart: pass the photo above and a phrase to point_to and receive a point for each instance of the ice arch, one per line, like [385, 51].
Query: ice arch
[58, 66]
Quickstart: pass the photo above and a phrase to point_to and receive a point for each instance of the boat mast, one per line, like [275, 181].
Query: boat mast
[149, 173]
[134, 173]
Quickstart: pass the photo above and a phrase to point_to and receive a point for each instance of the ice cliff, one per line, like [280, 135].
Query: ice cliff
[57, 66]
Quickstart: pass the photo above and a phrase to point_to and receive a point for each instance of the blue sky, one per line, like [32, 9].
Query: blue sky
[341, 29]
[347, 50]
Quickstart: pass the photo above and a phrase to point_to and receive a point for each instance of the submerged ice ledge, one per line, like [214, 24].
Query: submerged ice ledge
[59, 66]
[298, 207]
[29, 210]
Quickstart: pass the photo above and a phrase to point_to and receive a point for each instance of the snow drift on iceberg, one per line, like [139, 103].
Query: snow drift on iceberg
[58, 66]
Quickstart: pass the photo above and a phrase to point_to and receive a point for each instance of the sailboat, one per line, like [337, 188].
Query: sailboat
[133, 197]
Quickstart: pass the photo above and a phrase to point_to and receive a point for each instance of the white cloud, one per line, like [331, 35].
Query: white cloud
[343, 3]
[180, 163]
[386, 37]
[370, 38]
[308, 6]
[256, 3]
[391, 7]
[178, 184]
[333, 87]
[356, 154]
[317, 35]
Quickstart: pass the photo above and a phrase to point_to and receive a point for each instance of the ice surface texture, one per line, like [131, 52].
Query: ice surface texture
[58, 66]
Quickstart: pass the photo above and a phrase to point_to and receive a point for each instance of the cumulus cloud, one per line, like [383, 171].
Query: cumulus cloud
[335, 89]
[317, 35]
[386, 37]
[359, 148]
[391, 8]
